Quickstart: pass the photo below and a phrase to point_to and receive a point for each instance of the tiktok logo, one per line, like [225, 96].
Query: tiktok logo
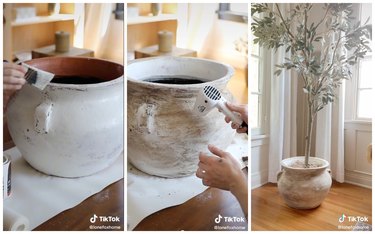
[218, 219]
[342, 218]
[93, 218]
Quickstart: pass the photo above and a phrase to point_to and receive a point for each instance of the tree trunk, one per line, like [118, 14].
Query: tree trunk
[309, 133]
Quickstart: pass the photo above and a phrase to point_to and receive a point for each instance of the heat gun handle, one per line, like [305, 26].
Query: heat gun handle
[244, 125]
[234, 118]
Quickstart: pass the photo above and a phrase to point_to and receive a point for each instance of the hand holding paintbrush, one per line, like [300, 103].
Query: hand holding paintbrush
[13, 80]
[15, 76]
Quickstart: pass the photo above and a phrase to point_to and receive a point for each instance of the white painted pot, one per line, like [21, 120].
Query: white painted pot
[70, 130]
[304, 188]
[164, 135]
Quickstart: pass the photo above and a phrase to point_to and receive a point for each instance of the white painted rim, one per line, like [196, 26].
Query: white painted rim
[229, 71]
[289, 161]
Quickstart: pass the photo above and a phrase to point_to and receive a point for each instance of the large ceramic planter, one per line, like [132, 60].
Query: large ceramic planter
[164, 135]
[304, 188]
[70, 130]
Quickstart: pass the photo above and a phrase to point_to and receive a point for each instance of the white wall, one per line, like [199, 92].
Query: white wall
[200, 29]
[358, 168]
[259, 161]
[219, 44]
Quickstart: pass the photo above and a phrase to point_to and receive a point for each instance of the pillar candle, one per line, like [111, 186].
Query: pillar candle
[165, 41]
[62, 41]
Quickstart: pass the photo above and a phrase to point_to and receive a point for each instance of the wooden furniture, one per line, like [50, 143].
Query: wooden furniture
[197, 214]
[108, 202]
[270, 213]
[152, 51]
[142, 31]
[49, 51]
[27, 34]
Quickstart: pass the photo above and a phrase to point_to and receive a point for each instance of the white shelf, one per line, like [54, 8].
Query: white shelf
[150, 19]
[42, 19]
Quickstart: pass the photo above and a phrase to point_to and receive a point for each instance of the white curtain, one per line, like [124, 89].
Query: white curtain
[329, 140]
[97, 20]
[194, 24]
[330, 135]
[283, 105]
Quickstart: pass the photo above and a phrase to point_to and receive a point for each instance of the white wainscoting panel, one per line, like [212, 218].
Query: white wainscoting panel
[358, 169]
[259, 161]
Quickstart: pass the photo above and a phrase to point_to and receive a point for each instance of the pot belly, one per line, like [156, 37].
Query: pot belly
[164, 134]
[84, 136]
[168, 142]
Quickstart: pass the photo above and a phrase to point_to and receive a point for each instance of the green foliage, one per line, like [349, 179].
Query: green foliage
[321, 52]
[322, 58]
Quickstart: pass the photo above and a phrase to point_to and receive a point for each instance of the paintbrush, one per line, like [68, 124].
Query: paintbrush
[36, 77]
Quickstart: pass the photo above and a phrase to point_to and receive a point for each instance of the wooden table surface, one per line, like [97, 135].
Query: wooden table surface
[198, 214]
[108, 202]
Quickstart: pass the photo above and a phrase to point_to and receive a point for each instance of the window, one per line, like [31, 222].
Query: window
[359, 90]
[233, 11]
[257, 101]
[255, 94]
[364, 90]
[364, 87]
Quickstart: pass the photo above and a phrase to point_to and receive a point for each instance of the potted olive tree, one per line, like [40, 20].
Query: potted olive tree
[322, 53]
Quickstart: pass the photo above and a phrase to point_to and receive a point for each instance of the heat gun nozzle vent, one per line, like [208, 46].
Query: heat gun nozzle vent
[212, 93]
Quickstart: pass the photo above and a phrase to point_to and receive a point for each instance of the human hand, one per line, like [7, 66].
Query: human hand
[241, 109]
[13, 80]
[220, 170]
[13, 76]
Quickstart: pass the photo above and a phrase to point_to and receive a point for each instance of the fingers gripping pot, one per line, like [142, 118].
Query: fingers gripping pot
[164, 135]
[74, 127]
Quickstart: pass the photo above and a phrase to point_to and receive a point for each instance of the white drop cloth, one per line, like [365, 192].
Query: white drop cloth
[148, 194]
[37, 197]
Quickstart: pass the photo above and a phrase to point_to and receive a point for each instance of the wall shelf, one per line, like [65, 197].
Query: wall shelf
[24, 35]
[150, 19]
[42, 19]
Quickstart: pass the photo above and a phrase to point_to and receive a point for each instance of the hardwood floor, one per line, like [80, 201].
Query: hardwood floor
[269, 212]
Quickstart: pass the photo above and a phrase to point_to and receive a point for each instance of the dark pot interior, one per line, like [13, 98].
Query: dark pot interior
[79, 70]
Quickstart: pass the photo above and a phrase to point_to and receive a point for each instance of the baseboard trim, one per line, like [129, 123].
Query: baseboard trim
[258, 179]
[357, 178]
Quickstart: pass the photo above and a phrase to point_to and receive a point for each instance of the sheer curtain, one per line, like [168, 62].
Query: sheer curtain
[97, 20]
[329, 142]
[283, 104]
[283, 125]
[194, 24]
[103, 33]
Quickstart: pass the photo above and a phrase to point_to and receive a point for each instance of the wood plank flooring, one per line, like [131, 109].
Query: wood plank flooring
[269, 212]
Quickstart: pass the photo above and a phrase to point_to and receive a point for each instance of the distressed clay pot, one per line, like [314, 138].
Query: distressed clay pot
[164, 135]
[304, 188]
[70, 130]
